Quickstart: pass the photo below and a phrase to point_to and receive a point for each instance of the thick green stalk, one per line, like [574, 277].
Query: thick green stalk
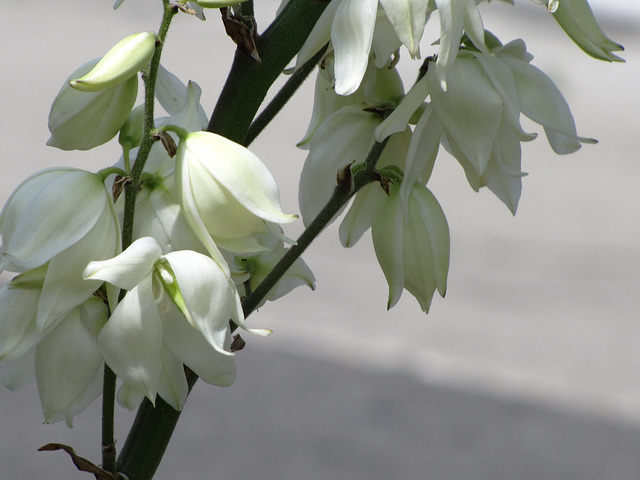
[248, 82]
[239, 101]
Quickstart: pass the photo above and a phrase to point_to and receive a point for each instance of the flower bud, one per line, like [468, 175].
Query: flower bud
[124, 60]
[83, 120]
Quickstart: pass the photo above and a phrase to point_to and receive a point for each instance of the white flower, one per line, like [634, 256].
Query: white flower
[411, 242]
[58, 220]
[228, 195]
[180, 302]
[83, 120]
[124, 60]
[63, 359]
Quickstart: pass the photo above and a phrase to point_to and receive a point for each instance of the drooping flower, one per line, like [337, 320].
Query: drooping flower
[411, 241]
[180, 302]
[59, 220]
[228, 195]
[63, 359]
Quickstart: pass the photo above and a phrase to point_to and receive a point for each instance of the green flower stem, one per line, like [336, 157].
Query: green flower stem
[131, 191]
[108, 415]
[248, 82]
[282, 97]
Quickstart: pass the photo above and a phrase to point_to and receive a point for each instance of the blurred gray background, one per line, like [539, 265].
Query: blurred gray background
[529, 369]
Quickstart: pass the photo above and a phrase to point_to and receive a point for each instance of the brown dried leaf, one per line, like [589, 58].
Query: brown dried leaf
[82, 464]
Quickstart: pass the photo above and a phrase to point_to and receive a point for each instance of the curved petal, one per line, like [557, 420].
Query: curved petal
[130, 267]
[206, 293]
[19, 372]
[131, 340]
[64, 286]
[173, 386]
[191, 347]
[408, 18]
[67, 360]
[387, 231]
[344, 137]
[351, 36]
[39, 224]
[18, 331]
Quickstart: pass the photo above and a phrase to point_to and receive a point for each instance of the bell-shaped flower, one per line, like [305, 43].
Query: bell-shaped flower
[257, 267]
[59, 220]
[228, 195]
[63, 359]
[83, 120]
[181, 302]
[124, 60]
[411, 241]
[577, 20]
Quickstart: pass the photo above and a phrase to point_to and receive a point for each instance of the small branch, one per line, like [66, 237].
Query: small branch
[341, 195]
[282, 97]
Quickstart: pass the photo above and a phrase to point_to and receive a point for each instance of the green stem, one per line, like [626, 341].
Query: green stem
[282, 97]
[108, 414]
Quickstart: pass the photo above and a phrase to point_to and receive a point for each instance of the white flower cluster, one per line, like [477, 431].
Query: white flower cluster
[206, 221]
[468, 99]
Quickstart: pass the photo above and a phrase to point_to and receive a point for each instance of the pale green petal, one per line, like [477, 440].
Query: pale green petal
[191, 347]
[471, 109]
[399, 118]
[436, 226]
[18, 331]
[387, 231]
[344, 137]
[408, 18]
[64, 285]
[423, 150]
[207, 294]
[128, 397]
[351, 36]
[577, 20]
[124, 60]
[319, 36]
[39, 224]
[542, 102]
[170, 91]
[19, 372]
[67, 360]
[130, 267]
[173, 386]
[131, 340]
[360, 215]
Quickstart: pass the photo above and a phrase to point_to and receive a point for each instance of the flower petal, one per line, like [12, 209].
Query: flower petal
[131, 340]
